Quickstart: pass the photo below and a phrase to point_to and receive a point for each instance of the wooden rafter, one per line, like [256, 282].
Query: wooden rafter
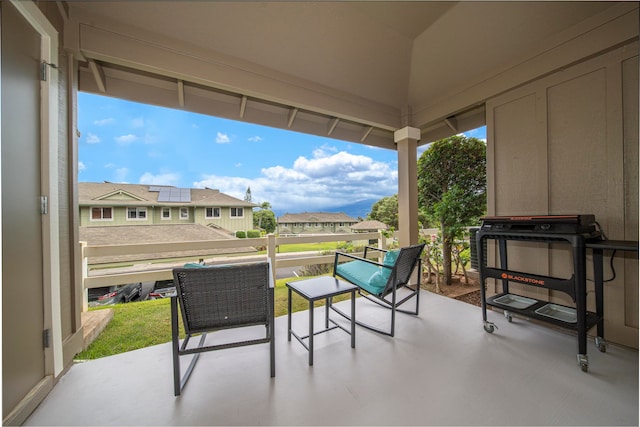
[243, 106]
[332, 125]
[292, 116]
[98, 75]
[366, 133]
[181, 93]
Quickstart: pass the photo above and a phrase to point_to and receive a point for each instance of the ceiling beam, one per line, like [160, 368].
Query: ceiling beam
[452, 123]
[332, 125]
[181, 93]
[292, 116]
[243, 106]
[366, 133]
[98, 75]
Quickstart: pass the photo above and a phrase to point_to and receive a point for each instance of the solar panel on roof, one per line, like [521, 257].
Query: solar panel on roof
[155, 188]
[164, 195]
[175, 195]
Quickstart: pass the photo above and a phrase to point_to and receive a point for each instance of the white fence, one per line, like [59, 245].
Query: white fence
[145, 272]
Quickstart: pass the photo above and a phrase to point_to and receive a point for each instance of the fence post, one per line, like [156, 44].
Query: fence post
[271, 252]
[85, 274]
[382, 240]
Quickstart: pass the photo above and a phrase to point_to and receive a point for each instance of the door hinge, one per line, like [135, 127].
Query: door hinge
[43, 69]
[44, 205]
[46, 338]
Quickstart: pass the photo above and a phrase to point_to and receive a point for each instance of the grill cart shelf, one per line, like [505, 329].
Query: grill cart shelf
[573, 230]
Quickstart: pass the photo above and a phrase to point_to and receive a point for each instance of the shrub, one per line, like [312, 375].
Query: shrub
[253, 234]
[241, 234]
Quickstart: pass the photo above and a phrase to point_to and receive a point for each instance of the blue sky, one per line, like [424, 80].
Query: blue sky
[127, 142]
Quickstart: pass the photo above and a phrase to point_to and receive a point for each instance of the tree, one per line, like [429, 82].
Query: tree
[265, 218]
[247, 195]
[385, 210]
[452, 188]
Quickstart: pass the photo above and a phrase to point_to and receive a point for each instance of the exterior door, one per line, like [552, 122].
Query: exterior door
[23, 354]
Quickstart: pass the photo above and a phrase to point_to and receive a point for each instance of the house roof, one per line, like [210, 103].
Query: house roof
[116, 194]
[369, 225]
[315, 217]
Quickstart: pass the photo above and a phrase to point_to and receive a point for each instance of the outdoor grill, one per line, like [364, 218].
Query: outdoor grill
[577, 231]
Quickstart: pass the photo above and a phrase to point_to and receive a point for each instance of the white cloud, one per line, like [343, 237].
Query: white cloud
[126, 139]
[324, 181]
[160, 179]
[222, 138]
[92, 139]
[81, 166]
[104, 122]
[255, 139]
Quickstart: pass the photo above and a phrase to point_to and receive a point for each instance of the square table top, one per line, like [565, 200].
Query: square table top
[321, 287]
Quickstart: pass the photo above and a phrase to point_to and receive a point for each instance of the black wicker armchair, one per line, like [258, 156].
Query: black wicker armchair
[220, 297]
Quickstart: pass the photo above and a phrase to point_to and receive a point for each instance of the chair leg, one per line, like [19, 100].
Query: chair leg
[272, 348]
[388, 305]
[175, 345]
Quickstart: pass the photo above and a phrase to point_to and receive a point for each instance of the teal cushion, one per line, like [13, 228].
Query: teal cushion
[361, 274]
[194, 265]
[390, 258]
[379, 279]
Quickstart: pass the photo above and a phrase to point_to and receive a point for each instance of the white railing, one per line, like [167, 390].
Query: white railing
[145, 272]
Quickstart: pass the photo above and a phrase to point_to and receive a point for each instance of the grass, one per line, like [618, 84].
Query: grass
[142, 324]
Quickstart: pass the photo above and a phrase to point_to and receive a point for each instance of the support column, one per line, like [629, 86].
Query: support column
[406, 140]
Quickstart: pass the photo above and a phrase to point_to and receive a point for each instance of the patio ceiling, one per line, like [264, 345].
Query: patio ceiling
[355, 71]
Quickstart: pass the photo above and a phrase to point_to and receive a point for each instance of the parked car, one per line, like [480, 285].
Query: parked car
[107, 295]
[162, 289]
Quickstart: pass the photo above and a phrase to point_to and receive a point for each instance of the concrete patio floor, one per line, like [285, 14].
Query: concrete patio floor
[442, 368]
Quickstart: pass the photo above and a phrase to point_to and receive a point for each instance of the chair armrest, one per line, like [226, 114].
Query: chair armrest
[357, 258]
[373, 248]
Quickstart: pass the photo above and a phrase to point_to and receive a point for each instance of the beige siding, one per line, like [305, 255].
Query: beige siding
[154, 216]
[568, 143]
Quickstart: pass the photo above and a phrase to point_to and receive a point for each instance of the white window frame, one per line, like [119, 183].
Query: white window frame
[213, 211]
[138, 211]
[102, 208]
[236, 210]
[184, 217]
[162, 217]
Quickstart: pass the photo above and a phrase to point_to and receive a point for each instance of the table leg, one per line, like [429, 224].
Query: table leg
[310, 333]
[327, 304]
[353, 319]
[289, 315]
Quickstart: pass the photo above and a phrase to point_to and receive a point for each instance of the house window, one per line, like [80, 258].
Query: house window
[184, 213]
[136, 213]
[102, 214]
[212, 213]
[166, 213]
[237, 212]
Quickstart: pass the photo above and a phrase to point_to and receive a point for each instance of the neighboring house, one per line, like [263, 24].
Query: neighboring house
[367, 226]
[315, 222]
[111, 204]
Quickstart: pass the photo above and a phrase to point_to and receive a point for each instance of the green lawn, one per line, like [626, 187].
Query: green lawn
[145, 323]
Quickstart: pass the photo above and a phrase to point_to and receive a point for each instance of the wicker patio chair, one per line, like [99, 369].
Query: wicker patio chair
[380, 282]
[220, 297]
